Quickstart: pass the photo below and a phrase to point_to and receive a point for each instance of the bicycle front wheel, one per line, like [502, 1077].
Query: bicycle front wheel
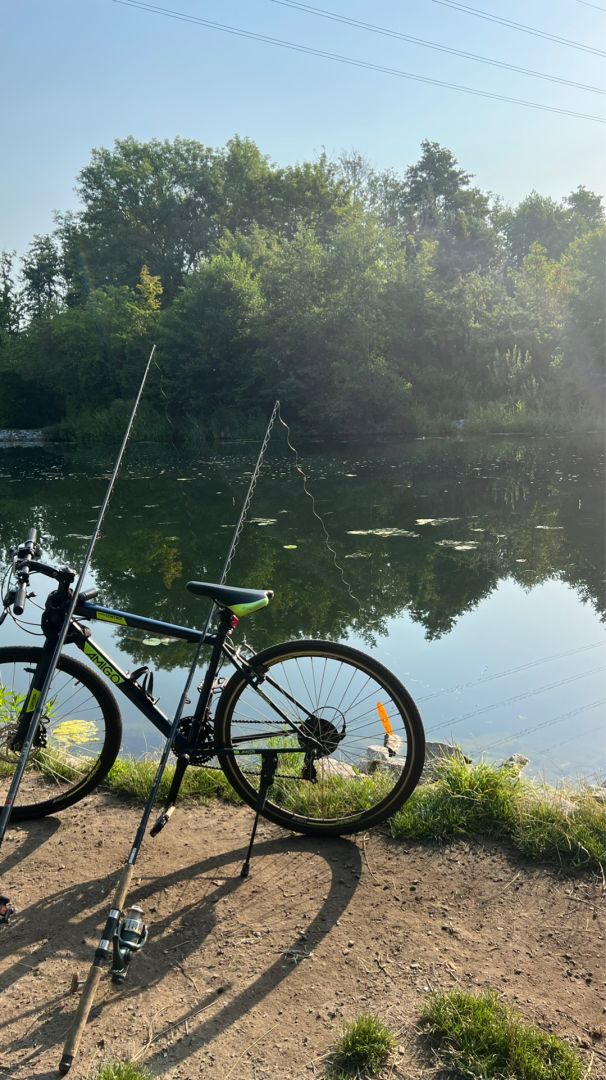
[77, 741]
[348, 737]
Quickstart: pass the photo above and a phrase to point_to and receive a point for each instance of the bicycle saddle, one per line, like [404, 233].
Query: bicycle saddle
[240, 601]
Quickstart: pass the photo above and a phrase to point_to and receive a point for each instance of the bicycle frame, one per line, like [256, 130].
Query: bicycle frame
[136, 694]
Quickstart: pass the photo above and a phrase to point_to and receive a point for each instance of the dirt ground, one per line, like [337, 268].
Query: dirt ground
[253, 979]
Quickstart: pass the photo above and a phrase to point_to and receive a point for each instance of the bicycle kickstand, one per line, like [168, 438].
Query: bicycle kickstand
[268, 771]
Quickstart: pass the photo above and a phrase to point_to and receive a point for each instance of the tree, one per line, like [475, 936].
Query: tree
[153, 204]
[586, 210]
[10, 308]
[41, 273]
[207, 337]
[437, 202]
[585, 330]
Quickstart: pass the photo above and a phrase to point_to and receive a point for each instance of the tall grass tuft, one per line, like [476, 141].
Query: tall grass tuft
[478, 1036]
[123, 1070]
[470, 800]
[363, 1048]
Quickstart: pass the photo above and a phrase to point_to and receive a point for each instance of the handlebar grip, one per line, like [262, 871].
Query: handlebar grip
[19, 601]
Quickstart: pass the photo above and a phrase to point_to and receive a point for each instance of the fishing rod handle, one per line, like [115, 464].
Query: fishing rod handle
[85, 1005]
[89, 990]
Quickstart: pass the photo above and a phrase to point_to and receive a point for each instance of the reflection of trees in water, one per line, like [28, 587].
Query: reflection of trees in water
[160, 531]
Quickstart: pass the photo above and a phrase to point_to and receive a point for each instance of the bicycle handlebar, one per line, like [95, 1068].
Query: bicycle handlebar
[24, 556]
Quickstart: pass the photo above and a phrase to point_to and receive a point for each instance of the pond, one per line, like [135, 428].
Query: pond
[473, 568]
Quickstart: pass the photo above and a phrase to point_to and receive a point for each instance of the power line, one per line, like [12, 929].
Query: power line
[519, 26]
[587, 4]
[307, 50]
[509, 671]
[397, 35]
[545, 723]
[513, 700]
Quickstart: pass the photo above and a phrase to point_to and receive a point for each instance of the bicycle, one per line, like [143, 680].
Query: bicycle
[316, 736]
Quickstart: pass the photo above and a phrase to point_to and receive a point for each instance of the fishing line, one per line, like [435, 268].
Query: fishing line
[315, 512]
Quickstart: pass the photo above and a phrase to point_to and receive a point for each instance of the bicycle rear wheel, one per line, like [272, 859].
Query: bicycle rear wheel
[348, 737]
[77, 742]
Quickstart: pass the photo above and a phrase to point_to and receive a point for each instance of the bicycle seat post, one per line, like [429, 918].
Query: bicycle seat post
[269, 765]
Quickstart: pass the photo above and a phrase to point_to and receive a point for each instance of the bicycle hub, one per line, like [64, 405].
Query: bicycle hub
[129, 938]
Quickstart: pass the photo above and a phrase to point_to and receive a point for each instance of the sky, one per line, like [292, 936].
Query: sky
[83, 73]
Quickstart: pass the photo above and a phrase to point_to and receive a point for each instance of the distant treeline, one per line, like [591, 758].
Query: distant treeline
[372, 304]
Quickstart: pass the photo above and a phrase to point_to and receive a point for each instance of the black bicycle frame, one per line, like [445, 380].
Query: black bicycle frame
[136, 694]
[119, 678]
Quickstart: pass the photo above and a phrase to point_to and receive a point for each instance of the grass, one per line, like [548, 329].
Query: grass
[479, 1037]
[482, 800]
[122, 1070]
[566, 827]
[133, 779]
[363, 1048]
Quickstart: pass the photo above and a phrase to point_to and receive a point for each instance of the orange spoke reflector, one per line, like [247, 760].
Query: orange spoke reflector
[383, 717]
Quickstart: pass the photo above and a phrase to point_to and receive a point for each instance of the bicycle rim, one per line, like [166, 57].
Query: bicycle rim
[348, 737]
[77, 741]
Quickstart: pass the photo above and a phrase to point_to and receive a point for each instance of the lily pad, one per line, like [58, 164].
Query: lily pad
[381, 532]
[290, 547]
[458, 545]
[157, 641]
[435, 521]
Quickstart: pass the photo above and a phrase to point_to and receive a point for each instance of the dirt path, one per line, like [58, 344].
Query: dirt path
[252, 980]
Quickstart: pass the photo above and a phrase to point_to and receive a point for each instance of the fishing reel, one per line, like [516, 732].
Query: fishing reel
[130, 937]
[6, 909]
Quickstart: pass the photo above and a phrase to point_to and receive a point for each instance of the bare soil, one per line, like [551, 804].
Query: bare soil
[253, 979]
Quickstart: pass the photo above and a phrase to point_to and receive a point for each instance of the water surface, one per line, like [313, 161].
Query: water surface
[474, 570]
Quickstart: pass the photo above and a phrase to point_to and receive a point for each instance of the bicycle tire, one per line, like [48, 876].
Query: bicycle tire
[359, 785]
[79, 714]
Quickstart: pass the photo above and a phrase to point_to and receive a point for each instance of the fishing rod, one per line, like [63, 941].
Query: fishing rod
[24, 557]
[125, 933]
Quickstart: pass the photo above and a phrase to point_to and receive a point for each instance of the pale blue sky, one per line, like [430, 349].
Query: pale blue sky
[82, 73]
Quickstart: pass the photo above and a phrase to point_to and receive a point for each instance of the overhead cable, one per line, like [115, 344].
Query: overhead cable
[545, 723]
[512, 700]
[397, 35]
[587, 4]
[509, 671]
[307, 50]
[519, 26]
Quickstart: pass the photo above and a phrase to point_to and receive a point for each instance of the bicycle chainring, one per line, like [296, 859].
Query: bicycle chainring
[204, 750]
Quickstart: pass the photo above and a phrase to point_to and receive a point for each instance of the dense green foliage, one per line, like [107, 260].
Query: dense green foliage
[479, 1037]
[368, 302]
